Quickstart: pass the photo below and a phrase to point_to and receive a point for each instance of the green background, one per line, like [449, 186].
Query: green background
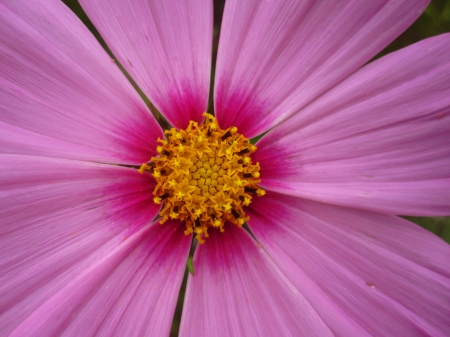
[435, 20]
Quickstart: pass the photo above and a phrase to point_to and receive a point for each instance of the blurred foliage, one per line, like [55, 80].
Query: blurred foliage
[439, 226]
[435, 20]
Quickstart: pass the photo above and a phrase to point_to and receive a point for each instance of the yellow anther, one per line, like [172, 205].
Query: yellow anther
[162, 141]
[260, 192]
[144, 167]
[200, 239]
[203, 177]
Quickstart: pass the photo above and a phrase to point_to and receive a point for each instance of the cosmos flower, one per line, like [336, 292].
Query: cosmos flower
[349, 147]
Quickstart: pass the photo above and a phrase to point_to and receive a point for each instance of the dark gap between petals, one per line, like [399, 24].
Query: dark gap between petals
[76, 8]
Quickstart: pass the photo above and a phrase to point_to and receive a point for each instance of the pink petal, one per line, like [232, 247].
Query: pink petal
[61, 95]
[165, 46]
[378, 141]
[276, 57]
[132, 291]
[238, 291]
[58, 217]
[364, 273]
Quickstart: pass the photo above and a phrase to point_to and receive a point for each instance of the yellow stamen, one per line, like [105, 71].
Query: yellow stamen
[205, 176]
[143, 168]
[260, 192]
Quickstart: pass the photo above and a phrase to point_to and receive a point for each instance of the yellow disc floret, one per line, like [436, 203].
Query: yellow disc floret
[204, 176]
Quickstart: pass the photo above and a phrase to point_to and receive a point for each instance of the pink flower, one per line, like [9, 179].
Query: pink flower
[350, 147]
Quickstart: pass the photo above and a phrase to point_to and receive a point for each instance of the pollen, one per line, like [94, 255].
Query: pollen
[204, 177]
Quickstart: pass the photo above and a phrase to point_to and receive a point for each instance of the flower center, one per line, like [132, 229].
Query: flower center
[204, 176]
